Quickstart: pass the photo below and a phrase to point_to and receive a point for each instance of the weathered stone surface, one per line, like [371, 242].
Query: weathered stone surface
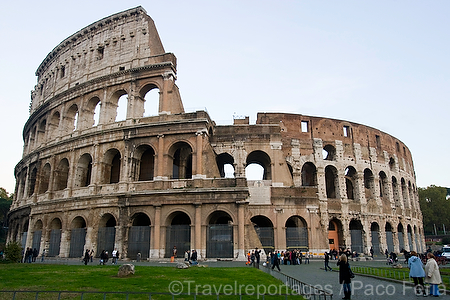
[182, 265]
[326, 183]
[125, 270]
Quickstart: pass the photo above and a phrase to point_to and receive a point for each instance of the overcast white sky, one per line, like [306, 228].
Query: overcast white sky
[385, 64]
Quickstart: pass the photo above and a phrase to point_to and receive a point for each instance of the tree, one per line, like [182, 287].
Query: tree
[5, 204]
[13, 251]
[435, 208]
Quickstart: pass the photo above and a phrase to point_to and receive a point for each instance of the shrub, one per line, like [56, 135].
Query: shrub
[13, 251]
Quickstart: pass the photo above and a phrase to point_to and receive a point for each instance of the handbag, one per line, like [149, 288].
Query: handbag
[350, 272]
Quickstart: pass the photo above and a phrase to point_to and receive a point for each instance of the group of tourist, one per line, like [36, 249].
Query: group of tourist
[191, 257]
[288, 257]
[30, 255]
[430, 275]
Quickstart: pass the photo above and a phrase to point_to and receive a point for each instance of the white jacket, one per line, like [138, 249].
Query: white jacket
[432, 272]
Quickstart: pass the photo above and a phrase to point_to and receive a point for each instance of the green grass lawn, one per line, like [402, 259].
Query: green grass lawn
[39, 277]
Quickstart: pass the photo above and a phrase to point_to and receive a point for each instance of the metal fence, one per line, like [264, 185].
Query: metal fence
[397, 274]
[308, 291]
[53, 295]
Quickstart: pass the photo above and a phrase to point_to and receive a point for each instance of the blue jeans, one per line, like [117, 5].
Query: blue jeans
[434, 290]
[347, 287]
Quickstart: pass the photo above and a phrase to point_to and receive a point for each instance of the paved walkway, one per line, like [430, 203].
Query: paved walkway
[364, 287]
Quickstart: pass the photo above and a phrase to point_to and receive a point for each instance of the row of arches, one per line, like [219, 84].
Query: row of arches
[178, 227]
[219, 235]
[381, 239]
[404, 193]
[109, 169]
[82, 114]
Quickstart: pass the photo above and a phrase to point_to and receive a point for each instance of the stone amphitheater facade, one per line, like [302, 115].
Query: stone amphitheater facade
[148, 183]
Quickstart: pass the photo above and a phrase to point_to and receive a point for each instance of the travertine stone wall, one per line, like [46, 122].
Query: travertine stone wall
[323, 179]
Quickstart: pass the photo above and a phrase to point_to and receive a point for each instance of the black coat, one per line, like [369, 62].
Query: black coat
[344, 272]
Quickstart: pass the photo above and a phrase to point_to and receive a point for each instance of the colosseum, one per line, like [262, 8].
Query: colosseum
[146, 183]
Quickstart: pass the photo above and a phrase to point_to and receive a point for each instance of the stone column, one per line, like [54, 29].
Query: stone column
[199, 155]
[160, 158]
[65, 243]
[395, 240]
[89, 236]
[198, 227]
[155, 252]
[241, 229]
[118, 243]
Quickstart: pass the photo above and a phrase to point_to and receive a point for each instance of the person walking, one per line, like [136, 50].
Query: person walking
[257, 256]
[417, 273]
[87, 257]
[433, 277]
[275, 262]
[345, 276]
[327, 260]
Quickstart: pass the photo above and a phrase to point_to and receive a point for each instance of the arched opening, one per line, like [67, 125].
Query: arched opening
[106, 234]
[405, 194]
[392, 164]
[350, 182]
[411, 195]
[44, 178]
[55, 237]
[77, 237]
[41, 132]
[356, 234]
[32, 139]
[309, 174]
[24, 234]
[146, 162]
[178, 234]
[261, 159]
[219, 235]
[151, 96]
[335, 235]
[32, 183]
[122, 103]
[296, 234]
[369, 184]
[92, 113]
[401, 239]
[71, 118]
[84, 171]
[37, 236]
[112, 163]
[22, 177]
[389, 237]
[139, 237]
[375, 233]
[62, 175]
[331, 181]
[264, 229]
[54, 125]
[395, 193]
[181, 154]
[417, 239]
[410, 237]
[384, 189]
[225, 163]
[329, 152]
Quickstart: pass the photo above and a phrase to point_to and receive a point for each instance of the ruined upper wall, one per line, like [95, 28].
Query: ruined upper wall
[331, 130]
[116, 43]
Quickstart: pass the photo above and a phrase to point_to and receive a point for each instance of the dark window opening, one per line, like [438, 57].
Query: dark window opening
[378, 140]
[100, 52]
